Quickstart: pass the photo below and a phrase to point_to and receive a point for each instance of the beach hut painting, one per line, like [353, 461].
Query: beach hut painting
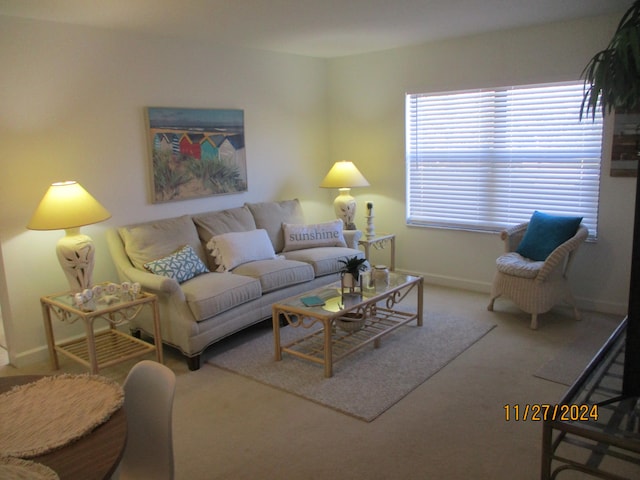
[196, 152]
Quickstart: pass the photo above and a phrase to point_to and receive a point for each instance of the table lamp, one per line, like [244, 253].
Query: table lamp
[67, 206]
[344, 176]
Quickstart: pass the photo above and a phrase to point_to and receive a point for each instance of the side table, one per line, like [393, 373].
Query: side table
[380, 242]
[105, 348]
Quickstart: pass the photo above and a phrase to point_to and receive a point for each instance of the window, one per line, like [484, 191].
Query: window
[486, 159]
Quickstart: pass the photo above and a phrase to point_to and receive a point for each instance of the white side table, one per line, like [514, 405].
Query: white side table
[380, 242]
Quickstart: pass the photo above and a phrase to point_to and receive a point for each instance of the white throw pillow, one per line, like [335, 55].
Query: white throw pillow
[235, 248]
[328, 234]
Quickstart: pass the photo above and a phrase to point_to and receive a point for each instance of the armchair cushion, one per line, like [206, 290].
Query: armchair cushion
[546, 232]
[513, 263]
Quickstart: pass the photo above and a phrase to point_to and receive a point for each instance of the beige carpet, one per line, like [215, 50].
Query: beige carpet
[573, 357]
[368, 382]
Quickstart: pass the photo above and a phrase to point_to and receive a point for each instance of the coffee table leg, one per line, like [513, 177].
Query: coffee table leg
[420, 300]
[328, 350]
[275, 318]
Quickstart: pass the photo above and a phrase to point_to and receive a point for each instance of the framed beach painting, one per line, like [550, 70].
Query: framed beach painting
[196, 152]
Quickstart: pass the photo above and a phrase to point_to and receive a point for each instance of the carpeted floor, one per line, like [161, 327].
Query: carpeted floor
[571, 360]
[229, 427]
[368, 382]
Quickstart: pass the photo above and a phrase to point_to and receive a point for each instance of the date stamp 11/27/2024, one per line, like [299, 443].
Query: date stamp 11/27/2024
[539, 412]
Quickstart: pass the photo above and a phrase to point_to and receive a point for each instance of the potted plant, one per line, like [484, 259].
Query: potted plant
[612, 79]
[612, 76]
[351, 270]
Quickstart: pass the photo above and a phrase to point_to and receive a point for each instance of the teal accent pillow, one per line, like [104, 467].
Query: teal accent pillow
[545, 233]
[181, 265]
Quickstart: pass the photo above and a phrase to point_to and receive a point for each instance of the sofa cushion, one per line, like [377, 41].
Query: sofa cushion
[277, 273]
[181, 265]
[271, 216]
[324, 260]
[213, 293]
[235, 248]
[149, 241]
[299, 236]
[513, 263]
[545, 233]
[210, 224]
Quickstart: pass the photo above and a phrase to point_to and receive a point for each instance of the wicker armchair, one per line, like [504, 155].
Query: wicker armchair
[535, 287]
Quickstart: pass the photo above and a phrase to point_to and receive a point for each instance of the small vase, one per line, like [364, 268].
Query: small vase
[380, 277]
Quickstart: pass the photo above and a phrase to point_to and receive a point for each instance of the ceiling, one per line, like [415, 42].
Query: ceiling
[318, 28]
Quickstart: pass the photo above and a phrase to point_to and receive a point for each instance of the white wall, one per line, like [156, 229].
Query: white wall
[73, 103]
[367, 126]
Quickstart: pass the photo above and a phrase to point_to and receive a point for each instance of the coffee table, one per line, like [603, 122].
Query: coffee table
[375, 307]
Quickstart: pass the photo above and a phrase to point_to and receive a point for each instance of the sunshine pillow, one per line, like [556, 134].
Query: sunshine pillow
[545, 233]
[298, 236]
[182, 265]
[235, 248]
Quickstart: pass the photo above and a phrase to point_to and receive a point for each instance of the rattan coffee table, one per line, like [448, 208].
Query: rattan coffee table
[375, 309]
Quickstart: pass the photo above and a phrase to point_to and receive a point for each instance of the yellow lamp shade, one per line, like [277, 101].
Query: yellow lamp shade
[344, 174]
[67, 205]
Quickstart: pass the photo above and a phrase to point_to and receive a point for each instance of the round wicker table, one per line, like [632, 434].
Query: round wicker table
[92, 457]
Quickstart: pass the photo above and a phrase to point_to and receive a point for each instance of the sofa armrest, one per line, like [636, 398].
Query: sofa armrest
[351, 237]
[149, 282]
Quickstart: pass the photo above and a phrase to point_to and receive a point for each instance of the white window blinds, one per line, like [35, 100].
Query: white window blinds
[486, 159]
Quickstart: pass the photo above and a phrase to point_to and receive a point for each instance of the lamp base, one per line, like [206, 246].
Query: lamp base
[345, 208]
[76, 256]
[371, 232]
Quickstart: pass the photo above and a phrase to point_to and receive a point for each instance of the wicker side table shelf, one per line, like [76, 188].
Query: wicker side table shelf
[104, 348]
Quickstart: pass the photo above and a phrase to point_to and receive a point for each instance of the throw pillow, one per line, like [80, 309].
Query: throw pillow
[235, 248]
[545, 233]
[181, 265]
[298, 236]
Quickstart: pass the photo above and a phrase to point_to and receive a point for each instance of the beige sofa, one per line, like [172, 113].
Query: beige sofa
[219, 272]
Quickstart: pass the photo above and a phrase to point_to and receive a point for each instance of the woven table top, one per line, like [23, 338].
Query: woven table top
[19, 469]
[52, 412]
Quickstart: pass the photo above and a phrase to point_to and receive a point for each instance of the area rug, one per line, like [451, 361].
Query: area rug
[368, 382]
[567, 365]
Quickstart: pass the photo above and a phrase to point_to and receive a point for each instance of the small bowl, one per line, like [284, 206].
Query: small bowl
[351, 322]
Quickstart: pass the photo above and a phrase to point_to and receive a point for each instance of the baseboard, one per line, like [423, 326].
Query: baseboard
[588, 304]
[30, 357]
[452, 282]
[602, 306]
